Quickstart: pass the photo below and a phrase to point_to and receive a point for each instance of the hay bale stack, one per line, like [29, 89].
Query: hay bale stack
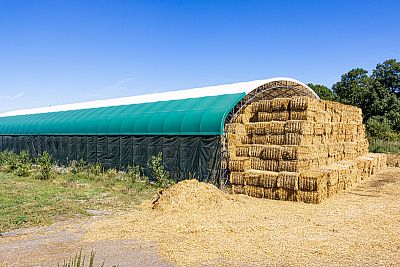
[298, 149]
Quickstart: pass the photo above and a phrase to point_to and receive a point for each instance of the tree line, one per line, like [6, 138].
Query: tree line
[376, 93]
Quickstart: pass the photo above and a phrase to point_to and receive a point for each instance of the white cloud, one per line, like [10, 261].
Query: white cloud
[11, 98]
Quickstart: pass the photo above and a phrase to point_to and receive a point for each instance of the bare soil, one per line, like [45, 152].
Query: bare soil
[194, 224]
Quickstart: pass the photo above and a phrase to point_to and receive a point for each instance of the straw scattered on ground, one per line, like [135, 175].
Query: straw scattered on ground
[196, 224]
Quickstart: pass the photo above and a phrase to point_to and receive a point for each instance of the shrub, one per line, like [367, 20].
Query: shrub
[44, 162]
[379, 127]
[159, 174]
[9, 161]
[136, 177]
[23, 164]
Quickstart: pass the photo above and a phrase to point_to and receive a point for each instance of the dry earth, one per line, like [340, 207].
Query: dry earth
[195, 224]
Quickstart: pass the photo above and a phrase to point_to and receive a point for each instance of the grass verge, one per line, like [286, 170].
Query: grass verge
[27, 201]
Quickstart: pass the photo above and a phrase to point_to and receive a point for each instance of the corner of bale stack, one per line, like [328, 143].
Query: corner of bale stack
[299, 149]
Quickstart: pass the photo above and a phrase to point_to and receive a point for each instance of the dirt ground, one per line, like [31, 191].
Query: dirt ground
[197, 225]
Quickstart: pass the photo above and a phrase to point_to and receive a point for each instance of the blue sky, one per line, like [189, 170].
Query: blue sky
[55, 52]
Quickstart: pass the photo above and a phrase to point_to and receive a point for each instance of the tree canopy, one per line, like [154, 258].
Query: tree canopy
[377, 94]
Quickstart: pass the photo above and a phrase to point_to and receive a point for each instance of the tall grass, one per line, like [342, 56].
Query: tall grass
[384, 146]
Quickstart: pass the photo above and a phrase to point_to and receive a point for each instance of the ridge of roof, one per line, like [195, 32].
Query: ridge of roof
[232, 88]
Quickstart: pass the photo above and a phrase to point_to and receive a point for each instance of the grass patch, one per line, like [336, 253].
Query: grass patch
[28, 201]
[384, 146]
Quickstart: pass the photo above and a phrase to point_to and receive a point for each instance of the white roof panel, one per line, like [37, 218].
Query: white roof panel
[233, 88]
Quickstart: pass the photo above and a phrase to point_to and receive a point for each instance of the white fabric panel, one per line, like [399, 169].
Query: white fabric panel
[233, 88]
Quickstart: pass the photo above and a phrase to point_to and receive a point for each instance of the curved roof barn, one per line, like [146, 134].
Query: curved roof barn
[198, 111]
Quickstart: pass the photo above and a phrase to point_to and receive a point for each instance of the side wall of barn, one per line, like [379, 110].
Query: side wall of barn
[183, 156]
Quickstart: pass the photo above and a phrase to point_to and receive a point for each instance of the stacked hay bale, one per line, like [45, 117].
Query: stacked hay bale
[298, 149]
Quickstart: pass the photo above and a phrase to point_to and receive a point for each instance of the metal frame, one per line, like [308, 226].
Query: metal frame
[265, 92]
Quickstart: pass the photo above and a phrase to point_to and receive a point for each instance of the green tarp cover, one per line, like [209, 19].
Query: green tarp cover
[192, 116]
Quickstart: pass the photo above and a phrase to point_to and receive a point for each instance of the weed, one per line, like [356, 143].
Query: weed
[136, 177]
[159, 174]
[44, 162]
[78, 261]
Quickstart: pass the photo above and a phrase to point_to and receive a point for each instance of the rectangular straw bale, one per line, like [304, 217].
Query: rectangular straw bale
[290, 152]
[319, 128]
[242, 151]
[256, 150]
[285, 194]
[252, 177]
[294, 165]
[232, 152]
[269, 193]
[271, 152]
[233, 139]
[242, 118]
[260, 139]
[238, 189]
[288, 180]
[246, 139]
[250, 128]
[240, 165]
[300, 139]
[236, 178]
[280, 115]
[275, 127]
[248, 110]
[331, 106]
[268, 179]
[315, 197]
[280, 104]
[277, 139]
[299, 126]
[293, 139]
[303, 103]
[265, 106]
[313, 180]
[254, 191]
[264, 165]
[255, 107]
[303, 115]
[236, 128]
[350, 128]
[265, 116]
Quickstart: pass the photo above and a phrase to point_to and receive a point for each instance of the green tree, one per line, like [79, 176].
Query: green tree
[323, 92]
[387, 75]
[354, 88]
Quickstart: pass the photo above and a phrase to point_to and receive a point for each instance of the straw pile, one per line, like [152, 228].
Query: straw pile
[299, 149]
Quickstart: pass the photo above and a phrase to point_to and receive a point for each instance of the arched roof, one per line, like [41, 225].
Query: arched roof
[197, 111]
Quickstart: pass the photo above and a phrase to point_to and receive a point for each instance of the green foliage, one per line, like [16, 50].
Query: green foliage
[387, 75]
[159, 174]
[136, 177]
[353, 88]
[45, 167]
[19, 164]
[378, 127]
[378, 95]
[323, 92]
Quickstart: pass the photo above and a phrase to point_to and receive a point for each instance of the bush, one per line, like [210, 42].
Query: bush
[159, 174]
[9, 161]
[379, 127]
[23, 164]
[44, 162]
[136, 177]
[19, 164]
